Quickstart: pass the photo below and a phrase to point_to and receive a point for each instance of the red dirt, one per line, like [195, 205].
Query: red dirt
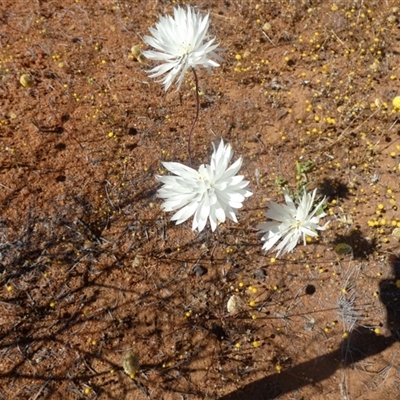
[91, 268]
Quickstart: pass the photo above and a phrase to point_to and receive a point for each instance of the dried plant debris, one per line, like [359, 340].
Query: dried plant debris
[348, 312]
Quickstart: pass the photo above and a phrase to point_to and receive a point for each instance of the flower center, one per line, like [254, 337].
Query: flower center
[207, 186]
[206, 183]
[186, 48]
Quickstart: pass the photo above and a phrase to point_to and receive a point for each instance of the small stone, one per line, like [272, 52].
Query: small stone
[233, 305]
[137, 261]
[259, 274]
[309, 325]
[396, 233]
[198, 270]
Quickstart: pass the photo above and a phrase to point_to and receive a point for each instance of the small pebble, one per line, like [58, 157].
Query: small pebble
[259, 274]
[198, 270]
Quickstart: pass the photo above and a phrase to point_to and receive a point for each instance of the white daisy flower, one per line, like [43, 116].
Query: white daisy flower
[291, 223]
[181, 43]
[213, 192]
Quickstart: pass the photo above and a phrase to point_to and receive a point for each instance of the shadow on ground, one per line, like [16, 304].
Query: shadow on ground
[361, 344]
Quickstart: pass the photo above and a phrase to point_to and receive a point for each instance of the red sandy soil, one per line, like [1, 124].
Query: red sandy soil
[92, 269]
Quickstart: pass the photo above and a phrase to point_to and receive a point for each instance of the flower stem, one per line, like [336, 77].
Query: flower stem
[196, 116]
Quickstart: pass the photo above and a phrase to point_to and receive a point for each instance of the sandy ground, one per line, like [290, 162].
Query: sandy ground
[92, 269]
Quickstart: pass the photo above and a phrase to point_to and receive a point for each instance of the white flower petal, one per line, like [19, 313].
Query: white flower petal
[181, 43]
[220, 213]
[291, 223]
[206, 193]
[185, 213]
[180, 169]
[270, 240]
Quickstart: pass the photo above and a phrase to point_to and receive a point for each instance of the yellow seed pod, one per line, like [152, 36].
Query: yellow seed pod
[142, 59]
[136, 52]
[131, 364]
[266, 27]
[341, 109]
[396, 102]
[375, 66]
[343, 248]
[26, 80]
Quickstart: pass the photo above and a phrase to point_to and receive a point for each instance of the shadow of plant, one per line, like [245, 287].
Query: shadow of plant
[333, 189]
[81, 292]
[361, 247]
[361, 344]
